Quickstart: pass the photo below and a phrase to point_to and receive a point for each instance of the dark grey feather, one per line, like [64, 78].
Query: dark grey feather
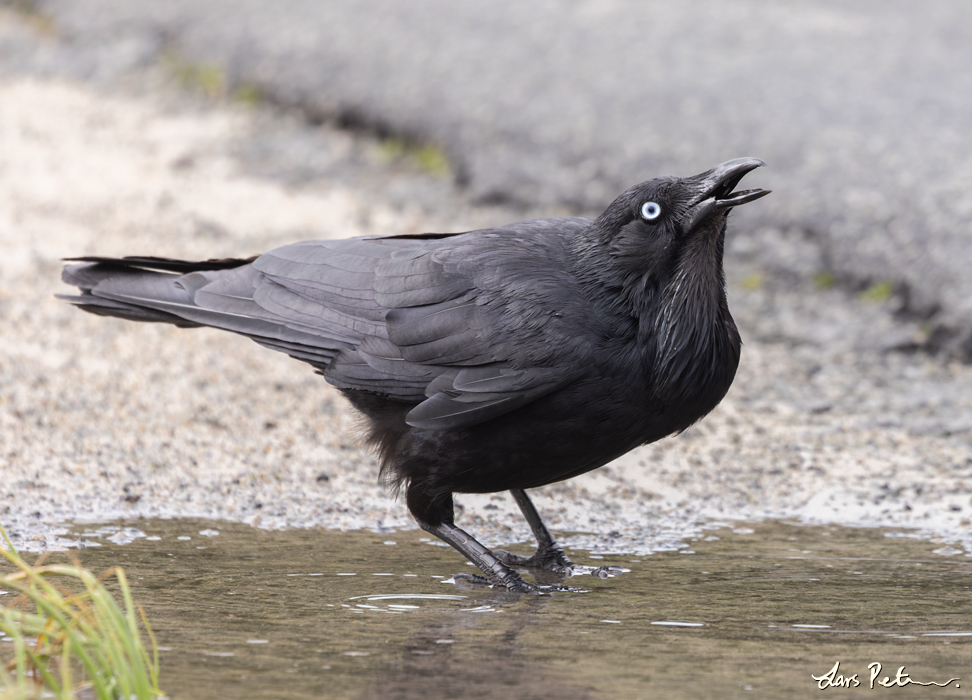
[424, 320]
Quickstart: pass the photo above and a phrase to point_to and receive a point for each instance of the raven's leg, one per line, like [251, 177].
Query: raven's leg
[549, 554]
[436, 515]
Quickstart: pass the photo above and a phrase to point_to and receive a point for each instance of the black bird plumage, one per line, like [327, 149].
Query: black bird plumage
[499, 359]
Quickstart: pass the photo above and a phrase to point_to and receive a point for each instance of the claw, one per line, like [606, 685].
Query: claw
[507, 557]
[601, 572]
[517, 585]
[554, 561]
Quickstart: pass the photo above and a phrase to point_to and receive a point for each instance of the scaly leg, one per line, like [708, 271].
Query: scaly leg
[549, 555]
[496, 572]
[436, 517]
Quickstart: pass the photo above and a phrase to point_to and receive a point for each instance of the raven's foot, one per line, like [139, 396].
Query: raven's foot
[554, 560]
[549, 555]
[550, 559]
[496, 573]
[514, 582]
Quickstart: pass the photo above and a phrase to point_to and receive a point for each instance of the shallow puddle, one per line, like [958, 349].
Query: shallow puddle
[248, 613]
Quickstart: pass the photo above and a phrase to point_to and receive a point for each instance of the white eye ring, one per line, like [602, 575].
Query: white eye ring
[650, 211]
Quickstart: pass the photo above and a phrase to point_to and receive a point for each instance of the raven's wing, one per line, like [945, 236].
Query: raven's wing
[468, 327]
[473, 326]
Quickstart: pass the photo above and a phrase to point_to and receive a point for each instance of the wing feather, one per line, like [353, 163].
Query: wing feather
[442, 322]
[467, 327]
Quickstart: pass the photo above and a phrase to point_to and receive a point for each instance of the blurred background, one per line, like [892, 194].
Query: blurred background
[860, 109]
[226, 127]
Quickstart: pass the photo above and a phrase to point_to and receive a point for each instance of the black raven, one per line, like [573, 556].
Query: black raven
[499, 359]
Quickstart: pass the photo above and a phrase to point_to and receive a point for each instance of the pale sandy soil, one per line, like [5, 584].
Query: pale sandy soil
[101, 418]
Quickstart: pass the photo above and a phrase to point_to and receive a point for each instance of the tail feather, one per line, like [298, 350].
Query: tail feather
[150, 262]
[134, 288]
[88, 276]
[130, 312]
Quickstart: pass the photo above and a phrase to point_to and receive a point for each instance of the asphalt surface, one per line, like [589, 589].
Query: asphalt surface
[861, 109]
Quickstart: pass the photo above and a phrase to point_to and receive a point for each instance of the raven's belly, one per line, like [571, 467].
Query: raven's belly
[557, 437]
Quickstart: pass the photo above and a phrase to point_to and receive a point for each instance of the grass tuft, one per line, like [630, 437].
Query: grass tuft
[205, 78]
[432, 160]
[66, 637]
[249, 94]
[427, 157]
[824, 280]
[878, 292]
[752, 282]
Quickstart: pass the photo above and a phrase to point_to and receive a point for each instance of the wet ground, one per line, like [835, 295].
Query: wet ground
[752, 611]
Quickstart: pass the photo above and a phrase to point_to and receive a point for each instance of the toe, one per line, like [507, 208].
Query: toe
[511, 559]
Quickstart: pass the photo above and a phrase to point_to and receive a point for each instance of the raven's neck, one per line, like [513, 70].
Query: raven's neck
[676, 322]
[695, 339]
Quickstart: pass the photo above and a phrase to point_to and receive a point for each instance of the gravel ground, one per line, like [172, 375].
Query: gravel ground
[831, 418]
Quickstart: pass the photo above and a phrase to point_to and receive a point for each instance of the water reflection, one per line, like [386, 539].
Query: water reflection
[473, 656]
[317, 614]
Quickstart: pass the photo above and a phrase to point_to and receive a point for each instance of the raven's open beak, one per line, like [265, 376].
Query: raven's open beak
[716, 190]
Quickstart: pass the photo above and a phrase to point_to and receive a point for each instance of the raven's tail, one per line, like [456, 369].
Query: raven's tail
[217, 293]
[147, 279]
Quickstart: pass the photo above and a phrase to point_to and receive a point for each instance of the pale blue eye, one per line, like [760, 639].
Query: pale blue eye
[650, 211]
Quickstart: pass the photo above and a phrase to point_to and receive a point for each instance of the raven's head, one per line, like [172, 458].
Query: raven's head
[653, 226]
[660, 245]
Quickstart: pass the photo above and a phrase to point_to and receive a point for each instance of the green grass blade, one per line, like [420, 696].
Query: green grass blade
[88, 629]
